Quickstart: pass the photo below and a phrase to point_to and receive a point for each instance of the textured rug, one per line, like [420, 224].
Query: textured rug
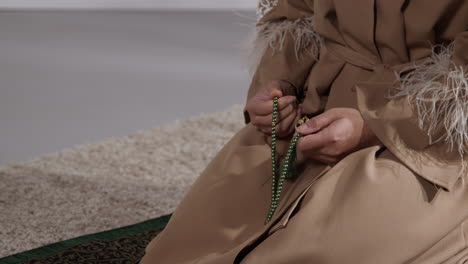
[105, 185]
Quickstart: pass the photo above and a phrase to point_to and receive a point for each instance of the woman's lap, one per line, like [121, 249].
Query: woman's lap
[367, 208]
[370, 209]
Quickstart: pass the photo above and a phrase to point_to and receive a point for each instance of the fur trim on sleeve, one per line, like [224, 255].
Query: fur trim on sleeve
[439, 90]
[273, 34]
[264, 7]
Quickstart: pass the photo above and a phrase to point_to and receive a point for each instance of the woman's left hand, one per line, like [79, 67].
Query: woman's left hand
[334, 134]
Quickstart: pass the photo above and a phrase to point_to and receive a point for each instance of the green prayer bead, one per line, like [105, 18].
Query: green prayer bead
[287, 170]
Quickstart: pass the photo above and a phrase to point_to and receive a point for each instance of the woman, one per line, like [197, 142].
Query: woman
[382, 160]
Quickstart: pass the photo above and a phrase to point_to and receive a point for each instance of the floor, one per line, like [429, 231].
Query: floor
[75, 77]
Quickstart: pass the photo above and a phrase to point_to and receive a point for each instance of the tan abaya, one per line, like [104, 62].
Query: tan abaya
[403, 65]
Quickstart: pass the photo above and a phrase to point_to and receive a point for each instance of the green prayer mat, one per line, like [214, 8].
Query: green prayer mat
[122, 245]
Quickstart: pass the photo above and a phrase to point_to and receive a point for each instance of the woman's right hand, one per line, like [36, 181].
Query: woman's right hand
[260, 108]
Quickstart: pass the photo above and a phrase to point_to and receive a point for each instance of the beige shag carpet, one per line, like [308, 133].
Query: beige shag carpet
[105, 185]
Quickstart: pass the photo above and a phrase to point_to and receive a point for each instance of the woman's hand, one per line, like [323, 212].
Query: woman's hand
[260, 108]
[334, 134]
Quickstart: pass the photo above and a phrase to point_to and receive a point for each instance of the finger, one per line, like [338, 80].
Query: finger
[274, 89]
[298, 117]
[281, 87]
[267, 129]
[284, 126]
[266, 107]
[264, 120]
[282, 129]
[285, 101]
[314, 141]
[290, 109]
[290, 127]
[319, 122]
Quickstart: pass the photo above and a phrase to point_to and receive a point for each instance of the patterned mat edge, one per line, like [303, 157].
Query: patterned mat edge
[51, 249]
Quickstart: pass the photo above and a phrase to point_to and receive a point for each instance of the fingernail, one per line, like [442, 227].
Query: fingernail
[291, 99]
[302, 128]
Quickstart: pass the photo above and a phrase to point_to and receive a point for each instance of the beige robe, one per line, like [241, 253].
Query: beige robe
[405, 201]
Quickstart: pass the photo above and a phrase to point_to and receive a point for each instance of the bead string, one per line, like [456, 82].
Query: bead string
[287, 170]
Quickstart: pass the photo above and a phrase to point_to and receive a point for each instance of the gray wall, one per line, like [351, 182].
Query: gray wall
[70, 78]
[132, 4]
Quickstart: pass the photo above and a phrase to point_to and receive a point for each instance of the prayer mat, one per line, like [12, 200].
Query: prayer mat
[122, 245]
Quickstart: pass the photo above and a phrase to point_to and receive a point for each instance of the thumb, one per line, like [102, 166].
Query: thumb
[318, 122]
[274, 89]
[276, 93]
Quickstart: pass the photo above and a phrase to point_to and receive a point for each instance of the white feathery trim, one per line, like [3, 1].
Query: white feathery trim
[439, 89]
[273, 34]
[264, 7]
